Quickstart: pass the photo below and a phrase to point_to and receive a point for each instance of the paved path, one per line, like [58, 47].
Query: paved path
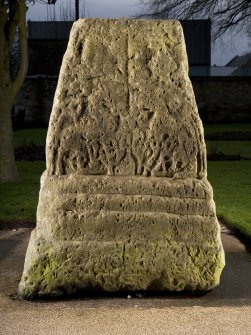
[225, 310]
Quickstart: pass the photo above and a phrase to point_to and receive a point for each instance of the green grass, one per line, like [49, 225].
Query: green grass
[38, 135]
[18, 200]
[226, 127]
[231, 182]
[242, 148]
[27, 136]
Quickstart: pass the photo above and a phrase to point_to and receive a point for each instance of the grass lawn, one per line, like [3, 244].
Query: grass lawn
[212, 128]
[27, 136]
[231, 181]
[38, 135]
[18, 200]
[242, 148]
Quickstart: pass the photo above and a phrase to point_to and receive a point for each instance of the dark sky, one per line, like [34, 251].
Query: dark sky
[222, 51]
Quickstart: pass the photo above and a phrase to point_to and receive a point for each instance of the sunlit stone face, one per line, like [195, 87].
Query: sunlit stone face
[124, 201]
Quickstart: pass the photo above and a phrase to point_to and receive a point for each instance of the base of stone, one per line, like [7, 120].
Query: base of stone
[122, 233]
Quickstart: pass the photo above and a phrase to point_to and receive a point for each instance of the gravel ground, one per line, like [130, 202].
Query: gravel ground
[224, 310]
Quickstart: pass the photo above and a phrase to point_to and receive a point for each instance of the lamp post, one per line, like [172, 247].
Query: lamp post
[76, 10]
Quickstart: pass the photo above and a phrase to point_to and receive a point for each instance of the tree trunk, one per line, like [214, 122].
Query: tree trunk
[8, 169]
[8, 87]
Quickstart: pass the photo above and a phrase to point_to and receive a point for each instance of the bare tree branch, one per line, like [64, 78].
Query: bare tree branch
[225, 14]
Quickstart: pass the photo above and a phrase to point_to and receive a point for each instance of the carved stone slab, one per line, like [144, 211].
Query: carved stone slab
[124, 202]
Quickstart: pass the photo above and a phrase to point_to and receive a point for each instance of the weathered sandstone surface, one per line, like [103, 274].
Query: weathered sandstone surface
[124, 202]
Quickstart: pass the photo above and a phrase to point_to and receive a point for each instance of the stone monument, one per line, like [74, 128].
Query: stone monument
[124, 202]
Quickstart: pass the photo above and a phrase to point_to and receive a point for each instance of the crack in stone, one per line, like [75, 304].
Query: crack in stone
[107, 128]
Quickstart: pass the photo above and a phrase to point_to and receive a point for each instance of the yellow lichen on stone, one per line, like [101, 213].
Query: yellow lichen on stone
[124, 201]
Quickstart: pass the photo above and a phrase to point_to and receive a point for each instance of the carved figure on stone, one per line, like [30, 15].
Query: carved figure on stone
[124, 202]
